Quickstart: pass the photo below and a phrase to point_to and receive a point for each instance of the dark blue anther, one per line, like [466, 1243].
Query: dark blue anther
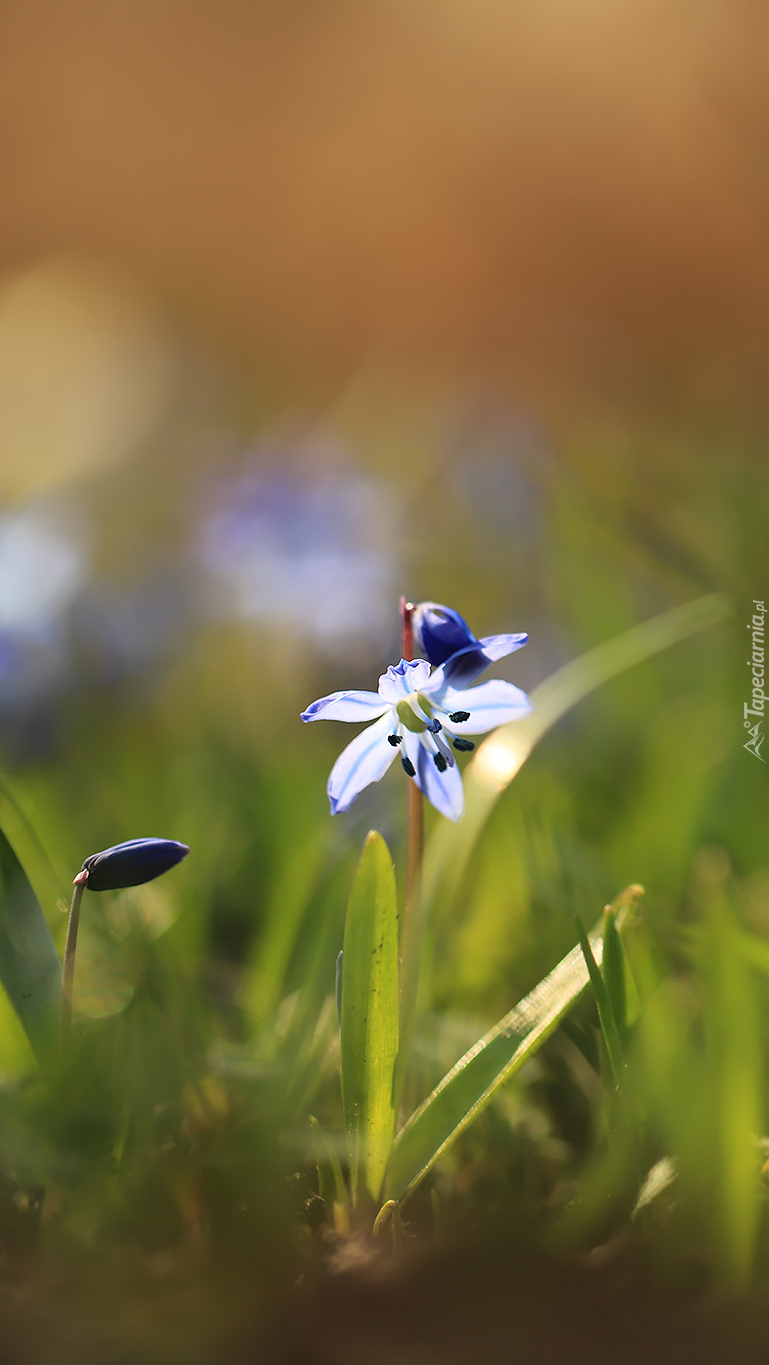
[440, 762]
[465, 746]
[457, 717]
[408, 766]
[395, 740]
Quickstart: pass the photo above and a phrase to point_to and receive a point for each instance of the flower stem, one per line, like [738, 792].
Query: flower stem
[68, 972]
[410, 924]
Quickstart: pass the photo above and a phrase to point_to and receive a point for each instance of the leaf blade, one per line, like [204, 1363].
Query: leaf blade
[471, 1083]
[369, 1017]
[30, 969]
[618, 975]
[331, 1190]
[606, 1014]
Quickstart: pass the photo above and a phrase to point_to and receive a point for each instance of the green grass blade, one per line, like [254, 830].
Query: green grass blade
[755, 950]
[735, 1068]
[614, 974]
[470, 1084]
[369, 1017]
[606, 1015]
[30, 969]
[283, 921]
[304, 1072]
[618, 976]
[331, 1186]
[503, 754]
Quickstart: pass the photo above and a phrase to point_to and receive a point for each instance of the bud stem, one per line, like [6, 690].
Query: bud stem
[68, 972]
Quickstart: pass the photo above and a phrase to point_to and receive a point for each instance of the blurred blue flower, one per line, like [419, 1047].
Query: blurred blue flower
[132, 863]
[42, 567]
[32, 667]
[303, 543]
[445, 638]
[415, 712]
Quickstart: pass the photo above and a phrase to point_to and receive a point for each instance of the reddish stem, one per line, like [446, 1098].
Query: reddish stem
[407, 615]
[409, 941]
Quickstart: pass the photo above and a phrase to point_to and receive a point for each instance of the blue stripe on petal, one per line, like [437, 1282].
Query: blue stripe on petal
[349, 706]
[365, 760]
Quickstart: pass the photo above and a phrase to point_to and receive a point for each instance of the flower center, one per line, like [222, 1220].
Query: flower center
[414, 713]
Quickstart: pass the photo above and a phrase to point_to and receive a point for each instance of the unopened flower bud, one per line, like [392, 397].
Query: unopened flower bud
[132, 863]
[439, 632]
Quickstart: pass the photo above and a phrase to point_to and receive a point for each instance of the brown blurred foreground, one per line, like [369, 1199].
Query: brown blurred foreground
[550, 191]
[494, 1308]
[491, 1304]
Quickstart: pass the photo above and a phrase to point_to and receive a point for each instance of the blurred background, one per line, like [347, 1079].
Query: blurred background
[303, 306]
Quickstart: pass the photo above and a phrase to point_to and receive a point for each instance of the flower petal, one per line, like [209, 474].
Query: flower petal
[400, 679]
[443, 790]
[467, 664]
[459, 670]
[366, 759]
[492, 704]
[499, 646]
[345, 706]
[440, 631]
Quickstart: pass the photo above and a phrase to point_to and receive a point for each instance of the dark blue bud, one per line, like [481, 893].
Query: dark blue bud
[132, 863]
[439, 632]
[444, 638]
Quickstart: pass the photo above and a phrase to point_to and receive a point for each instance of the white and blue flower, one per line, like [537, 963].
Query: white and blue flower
[420, 714]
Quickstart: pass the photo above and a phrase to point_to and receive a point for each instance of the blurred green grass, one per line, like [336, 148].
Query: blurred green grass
[206, 1024]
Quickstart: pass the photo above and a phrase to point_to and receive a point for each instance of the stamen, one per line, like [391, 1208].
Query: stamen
[434, 726]
[440, 762]
[458, 716]
[408, 766]
[444, 750]
[395, 740]
[465, 746]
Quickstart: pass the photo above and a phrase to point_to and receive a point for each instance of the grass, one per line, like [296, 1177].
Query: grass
[172, 1165]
